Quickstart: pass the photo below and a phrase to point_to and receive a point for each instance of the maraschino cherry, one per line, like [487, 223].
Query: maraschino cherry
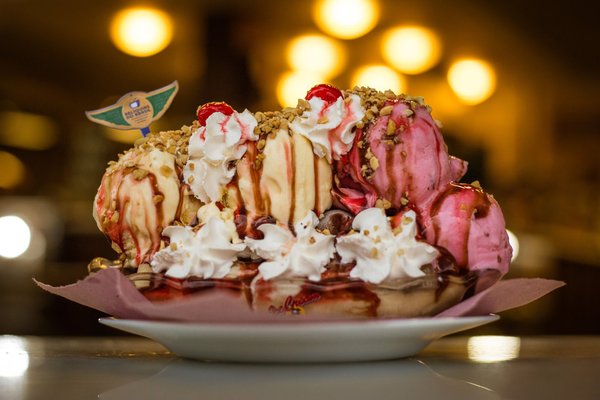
[329, 94]
[206, 110]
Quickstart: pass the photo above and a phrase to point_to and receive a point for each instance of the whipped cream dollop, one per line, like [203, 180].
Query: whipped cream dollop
[208, 253]
[382, 253]
[302, 255]
[330, 126]
[212, 149]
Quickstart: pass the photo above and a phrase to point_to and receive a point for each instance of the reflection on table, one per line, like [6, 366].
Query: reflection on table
[460, 367]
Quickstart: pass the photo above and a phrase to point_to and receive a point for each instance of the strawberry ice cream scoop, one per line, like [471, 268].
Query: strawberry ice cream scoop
[469, 224]
[399, 158]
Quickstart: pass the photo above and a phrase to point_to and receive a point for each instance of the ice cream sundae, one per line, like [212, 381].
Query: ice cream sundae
[348, 203]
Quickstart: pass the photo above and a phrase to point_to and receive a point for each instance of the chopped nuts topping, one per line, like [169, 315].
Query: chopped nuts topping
[139, 174]
[374, 163]
[387, 110]
[391, 128]
[166, 171]
[158, 198]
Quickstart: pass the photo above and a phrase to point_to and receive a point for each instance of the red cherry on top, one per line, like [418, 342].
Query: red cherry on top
[327, 93]
[206, 110]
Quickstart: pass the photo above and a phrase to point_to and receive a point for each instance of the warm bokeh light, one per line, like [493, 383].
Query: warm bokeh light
[514, 243]
[127, 136]
[141, 32]
[27, 130]
[411, 49]
[293, 85]
[13, 171]
[488, 349]
[14, 359]
[15, 236]
[316, 54]
[346, 19]
[472, 80]
[379, 77]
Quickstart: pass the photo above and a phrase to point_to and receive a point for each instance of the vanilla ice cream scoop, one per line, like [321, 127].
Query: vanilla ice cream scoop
[139, 196]
[280, 176]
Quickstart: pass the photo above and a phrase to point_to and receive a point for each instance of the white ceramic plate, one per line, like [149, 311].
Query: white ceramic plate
[299, 342]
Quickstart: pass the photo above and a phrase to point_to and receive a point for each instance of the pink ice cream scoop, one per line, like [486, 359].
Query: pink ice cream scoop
[469, 224]
[401, 158]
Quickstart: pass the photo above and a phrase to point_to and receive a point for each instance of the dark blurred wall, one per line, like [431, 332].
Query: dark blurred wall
[534, 144]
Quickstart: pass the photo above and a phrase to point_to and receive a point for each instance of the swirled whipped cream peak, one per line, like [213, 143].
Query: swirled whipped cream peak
[382, 252]
[329, 121]
[349, 195]
[208, 252]
[213, 148]
[303, 254]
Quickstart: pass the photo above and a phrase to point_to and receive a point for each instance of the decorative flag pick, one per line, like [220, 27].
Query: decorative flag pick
[136, 110]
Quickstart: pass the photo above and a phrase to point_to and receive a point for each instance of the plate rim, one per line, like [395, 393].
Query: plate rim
[297, 342]
[391, 323]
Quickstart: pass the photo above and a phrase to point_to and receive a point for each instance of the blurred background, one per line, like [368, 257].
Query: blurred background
[515, 84]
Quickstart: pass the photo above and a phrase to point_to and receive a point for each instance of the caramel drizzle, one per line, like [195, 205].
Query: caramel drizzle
[125, 227]
[317, 205]
[292, 161]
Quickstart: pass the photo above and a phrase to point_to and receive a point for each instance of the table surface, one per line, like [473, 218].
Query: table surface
[456, 367]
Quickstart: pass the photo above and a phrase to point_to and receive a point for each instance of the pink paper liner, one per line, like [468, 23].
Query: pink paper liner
[110, 292]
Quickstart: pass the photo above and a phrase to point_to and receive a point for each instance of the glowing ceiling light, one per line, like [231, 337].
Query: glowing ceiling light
[316, 54]
[292, 86]
[14, 359]
[141, 32]
[13, 171]
[15, 236]
[346, 19]
[487, 349]
[472, 80]
[514, 243]
[379, 77]
[411, 49]
[28, 131]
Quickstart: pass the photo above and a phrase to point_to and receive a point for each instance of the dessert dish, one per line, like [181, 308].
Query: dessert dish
[347, 204]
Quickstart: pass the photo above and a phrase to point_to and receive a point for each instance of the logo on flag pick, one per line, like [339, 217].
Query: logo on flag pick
[136, 110]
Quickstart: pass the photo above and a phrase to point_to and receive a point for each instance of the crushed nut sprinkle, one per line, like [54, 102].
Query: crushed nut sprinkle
[139, 174]
[158, 198]
[374, 163]
[387, 110]
[391, 127]
[116, 248]
[166, 171]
